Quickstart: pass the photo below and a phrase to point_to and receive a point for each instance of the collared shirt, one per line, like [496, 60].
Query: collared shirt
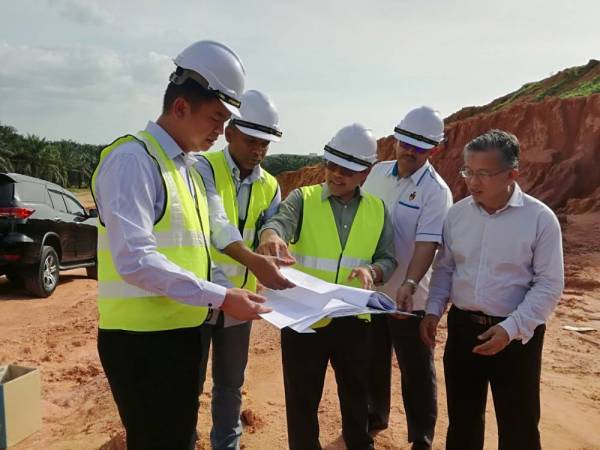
[286, 221]
[242, 187]
[418, 205]
[507, 264]
[130, 194]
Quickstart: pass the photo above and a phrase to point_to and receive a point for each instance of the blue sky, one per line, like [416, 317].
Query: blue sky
[94, 70]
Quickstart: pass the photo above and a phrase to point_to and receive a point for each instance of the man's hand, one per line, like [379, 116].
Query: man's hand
[364, 276]
[496, 339]
[428, 329]
[243, 305]
[266, 269]
[404, 300]
[272, 245]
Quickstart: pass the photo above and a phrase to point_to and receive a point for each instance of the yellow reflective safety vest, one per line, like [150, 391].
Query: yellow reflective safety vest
[182, 233]
[262, 193]
[318, 251]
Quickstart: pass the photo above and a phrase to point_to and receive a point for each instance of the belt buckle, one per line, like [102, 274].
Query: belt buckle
[480, 320]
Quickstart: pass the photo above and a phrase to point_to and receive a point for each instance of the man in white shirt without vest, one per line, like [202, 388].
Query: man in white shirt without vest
[418, 200]
[501, 265]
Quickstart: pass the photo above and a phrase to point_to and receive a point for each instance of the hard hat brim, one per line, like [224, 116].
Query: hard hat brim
[232, 109]
[412, 141]
[344, 163]
[257, 133]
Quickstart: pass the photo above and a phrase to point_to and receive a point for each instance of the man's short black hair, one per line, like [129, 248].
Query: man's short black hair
[190, 91]
[504, 142]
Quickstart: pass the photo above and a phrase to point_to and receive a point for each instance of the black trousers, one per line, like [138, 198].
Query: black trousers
[305, 356]
[514, 377]
[154, 378]
[417, 373]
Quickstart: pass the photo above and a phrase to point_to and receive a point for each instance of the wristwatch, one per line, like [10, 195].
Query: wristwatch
[372, 271]
[413, 284]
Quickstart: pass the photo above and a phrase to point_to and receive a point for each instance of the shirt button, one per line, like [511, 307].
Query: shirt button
[345, 206]
[345, 226]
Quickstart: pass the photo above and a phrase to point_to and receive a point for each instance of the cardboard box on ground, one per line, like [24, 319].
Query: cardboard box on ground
[20, 403]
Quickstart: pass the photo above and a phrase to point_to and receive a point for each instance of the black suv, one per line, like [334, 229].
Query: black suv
[43, 229]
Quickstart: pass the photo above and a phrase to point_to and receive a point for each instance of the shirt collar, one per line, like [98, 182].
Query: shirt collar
[416, 176]
[254, 175]
[165, 140]
[326, 193]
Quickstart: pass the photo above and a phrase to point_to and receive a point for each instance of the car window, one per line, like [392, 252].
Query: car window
[74, 207]
[6, 192]
[57, 201]
[26, 191]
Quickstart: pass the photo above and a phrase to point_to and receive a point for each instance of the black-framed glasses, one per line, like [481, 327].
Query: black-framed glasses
[467, 173]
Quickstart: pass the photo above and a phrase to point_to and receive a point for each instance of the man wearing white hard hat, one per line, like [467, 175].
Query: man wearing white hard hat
[154, 263]
[341, 234]
[250, 195]
[418, 200]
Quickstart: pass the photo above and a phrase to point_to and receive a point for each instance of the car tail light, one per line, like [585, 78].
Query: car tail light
[11, 258]
[18, 213]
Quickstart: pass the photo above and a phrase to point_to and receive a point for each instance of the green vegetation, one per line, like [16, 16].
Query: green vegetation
[586, 88]
[67, 163]
[275, 164]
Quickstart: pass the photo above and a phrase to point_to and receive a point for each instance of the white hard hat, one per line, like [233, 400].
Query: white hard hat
[259, 117]
[215, 67]
[422, 127]
[353, 147]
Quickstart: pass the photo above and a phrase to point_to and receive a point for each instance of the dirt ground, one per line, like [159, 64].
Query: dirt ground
[58, 335]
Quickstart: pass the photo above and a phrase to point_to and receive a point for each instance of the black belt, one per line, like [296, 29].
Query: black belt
[478, 317]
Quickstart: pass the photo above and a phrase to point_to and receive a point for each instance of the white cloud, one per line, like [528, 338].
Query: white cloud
[82, 12]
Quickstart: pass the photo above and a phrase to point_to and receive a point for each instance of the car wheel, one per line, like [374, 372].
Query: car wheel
[14, 278]
[43, 277]
[92, 271]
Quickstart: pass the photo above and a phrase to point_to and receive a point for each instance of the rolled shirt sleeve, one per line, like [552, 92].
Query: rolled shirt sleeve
[434, 211]
[126, 195]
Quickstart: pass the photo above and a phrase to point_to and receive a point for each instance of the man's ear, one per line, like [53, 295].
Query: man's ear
[180, 108]
[513, 174]
[229, 133]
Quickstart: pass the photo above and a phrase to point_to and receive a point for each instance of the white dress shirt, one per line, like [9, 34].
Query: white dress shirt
[507, 264]
[129, 194]
[418, 205]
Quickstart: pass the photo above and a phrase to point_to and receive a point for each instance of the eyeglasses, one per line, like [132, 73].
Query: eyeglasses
[337, 168]
[414, 148]
[468, 173]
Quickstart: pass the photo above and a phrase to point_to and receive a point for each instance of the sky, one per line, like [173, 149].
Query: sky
[93, 70]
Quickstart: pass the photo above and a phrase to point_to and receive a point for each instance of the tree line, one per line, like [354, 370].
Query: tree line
[71, 164]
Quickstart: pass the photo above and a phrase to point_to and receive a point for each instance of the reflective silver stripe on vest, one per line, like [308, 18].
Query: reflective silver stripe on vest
[232, 270]
[165, 239]
[327, 264]
[121, 289]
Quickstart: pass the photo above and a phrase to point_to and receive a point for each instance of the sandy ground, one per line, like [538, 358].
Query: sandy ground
[58, 335]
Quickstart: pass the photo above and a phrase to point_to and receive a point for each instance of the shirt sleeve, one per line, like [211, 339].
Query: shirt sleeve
[222, 232]
[285, 221]
[272, 209]
[126, 193]
[384, 256]
[433, 214]
[548, 281]
[440, 284]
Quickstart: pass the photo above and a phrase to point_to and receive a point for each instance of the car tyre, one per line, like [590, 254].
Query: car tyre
[92, 271]
[42, 279]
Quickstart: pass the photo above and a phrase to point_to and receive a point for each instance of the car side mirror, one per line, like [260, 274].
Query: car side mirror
[93, 212]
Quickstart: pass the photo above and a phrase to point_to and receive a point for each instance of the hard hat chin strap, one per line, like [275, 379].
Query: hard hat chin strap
[181, 75]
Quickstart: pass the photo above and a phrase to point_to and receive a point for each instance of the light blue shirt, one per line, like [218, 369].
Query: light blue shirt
[129, 194]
